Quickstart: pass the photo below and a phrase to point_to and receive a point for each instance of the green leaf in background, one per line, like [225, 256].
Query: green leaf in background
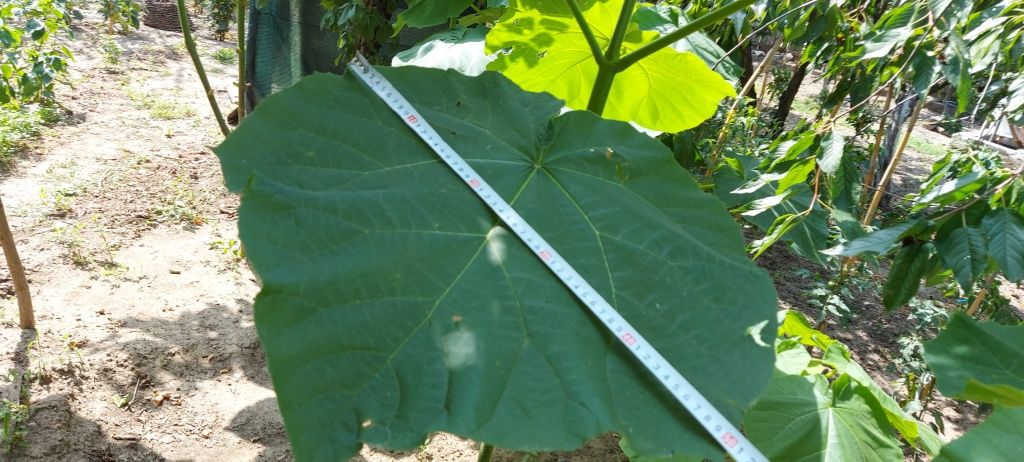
[796, 174]
[795, 324]
[979, 361]
[999, 438]
[668, 91]
[1004, 230]
[394, 304]
[460, 49]
[426, 13]
[878, 242]
[808, 419]
[838, 356]
[831, 152]
[908, 267]
[964, 251]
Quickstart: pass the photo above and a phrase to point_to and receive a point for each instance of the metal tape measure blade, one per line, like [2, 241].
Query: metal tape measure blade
[734, 442]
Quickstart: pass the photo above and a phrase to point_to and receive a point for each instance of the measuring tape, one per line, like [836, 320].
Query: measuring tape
[713, 421]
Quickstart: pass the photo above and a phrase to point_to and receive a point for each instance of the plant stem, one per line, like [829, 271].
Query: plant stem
[615, 45]
[887, 176]
[595, 48]
[27, 317]
[869, 177]
[602, 88]
[605, 73]
[680, 33]
[242, 6]
[981, 295]
[486, 452]
[190, 44]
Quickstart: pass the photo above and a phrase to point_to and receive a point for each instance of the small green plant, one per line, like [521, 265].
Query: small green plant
[32, 61]
[183, 203]
[20, 124]
[121, 15]
[111, 52]
[161, 108]
[231, 248]
[12, 415]
[225, 56]
[926, 146]
[70, 237]
[222, 12]
[71, 348]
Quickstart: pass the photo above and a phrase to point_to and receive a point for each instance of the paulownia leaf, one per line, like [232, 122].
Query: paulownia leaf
[831, 152]
[1004, 230]
[667, 91]
[461, 49]
[426, 13]
[394, 304]
[908, 267]
[979, 361]
[807, 419]
[964, 252]
[999, 437]
[877, 242]
[837, 356]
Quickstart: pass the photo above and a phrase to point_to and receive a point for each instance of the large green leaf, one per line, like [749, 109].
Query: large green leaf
[807, 419]
[667, 91]
[1004, 230]
[908, 267]
[461, 49]
[394, 304]
[426, 13]
[979, 361]
[964, 252]
[839, 358]
[793, 325]
[877, 242]
[999, 438]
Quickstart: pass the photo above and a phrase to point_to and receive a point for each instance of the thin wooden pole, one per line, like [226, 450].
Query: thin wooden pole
[735, 105]
[243, 7]
[28, 320]
[981, 295]
[869, 177]
[887, 176]
[190, 44]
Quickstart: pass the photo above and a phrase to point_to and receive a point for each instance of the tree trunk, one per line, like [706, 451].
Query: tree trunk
[905, 104]
[747, 58]
[788, 96]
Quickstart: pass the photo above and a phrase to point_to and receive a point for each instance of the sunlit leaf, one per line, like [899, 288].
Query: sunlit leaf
[667, 91]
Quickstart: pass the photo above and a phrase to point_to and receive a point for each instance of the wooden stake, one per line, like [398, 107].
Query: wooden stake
[28, 320]
[243, 6]
[887, 176]
[735, 105]
[981, 295]
[869, 177]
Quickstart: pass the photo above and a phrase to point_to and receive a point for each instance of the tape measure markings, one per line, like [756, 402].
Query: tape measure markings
[713, 421]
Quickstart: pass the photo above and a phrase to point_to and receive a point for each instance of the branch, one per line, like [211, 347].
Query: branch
[680, 33]
[615, 45]
[595, 48]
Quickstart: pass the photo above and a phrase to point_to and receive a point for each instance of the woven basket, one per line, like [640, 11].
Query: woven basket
[163, 15]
